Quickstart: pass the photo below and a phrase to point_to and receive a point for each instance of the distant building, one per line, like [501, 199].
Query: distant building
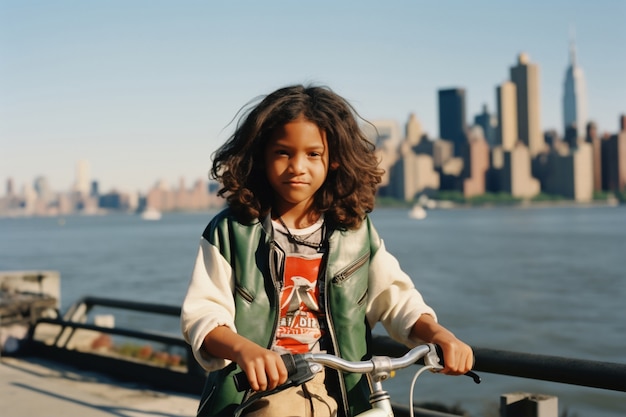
[594, 139]
[385, 134]
[489, 124]
[571, 136]
[574, 99]
[571, 175]
[495, 172]
[409, 167]
[163, 198]
[451, 176]
[83, 177]
[476, 164]
[41, 185]
[115, 200]
[516, 178]
[614, 162]
[416, 173]
[452, 120]
[10, 187]
[442, 151]
[507, 132]
[414, 130]
[525, 76]
[95, 189]
[551, 137]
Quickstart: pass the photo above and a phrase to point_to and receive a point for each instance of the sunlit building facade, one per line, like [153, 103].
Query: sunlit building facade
[525, 76]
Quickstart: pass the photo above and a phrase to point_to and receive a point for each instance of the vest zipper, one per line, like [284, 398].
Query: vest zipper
[338, 279]
[333, 339]
[278, 284]
[350, 269]
[273, 253]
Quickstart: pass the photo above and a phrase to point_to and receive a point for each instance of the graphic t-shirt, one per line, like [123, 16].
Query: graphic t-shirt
[299, 328]
[301, 313]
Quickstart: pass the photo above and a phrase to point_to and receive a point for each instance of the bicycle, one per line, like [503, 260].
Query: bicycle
[303, 367]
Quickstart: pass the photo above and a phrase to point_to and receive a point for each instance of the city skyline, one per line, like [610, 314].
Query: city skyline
[148, 93]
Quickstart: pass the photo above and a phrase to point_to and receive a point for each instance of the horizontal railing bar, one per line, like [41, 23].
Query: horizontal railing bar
[155, 337]
[593, 374]
[588, 373]
[169, 310]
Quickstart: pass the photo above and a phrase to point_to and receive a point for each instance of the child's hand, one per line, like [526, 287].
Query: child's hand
[458, 357]
[264, 368]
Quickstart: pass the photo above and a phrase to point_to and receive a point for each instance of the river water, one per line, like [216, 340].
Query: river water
[537, 280]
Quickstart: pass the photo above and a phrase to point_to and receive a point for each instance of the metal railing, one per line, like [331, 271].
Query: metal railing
[59, 347]
[595, 374]
[587, 373]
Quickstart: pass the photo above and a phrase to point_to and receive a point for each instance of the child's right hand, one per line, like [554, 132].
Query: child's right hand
[264, 368]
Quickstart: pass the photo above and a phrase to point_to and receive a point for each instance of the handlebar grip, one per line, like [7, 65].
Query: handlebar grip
[241, 379]
[471, 374]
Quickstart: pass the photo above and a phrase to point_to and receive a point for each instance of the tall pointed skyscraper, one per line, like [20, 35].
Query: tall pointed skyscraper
[574, 96]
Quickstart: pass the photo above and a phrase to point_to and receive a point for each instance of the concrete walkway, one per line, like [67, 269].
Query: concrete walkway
[35, 387]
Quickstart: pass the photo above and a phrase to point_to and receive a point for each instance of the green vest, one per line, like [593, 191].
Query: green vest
[257, 266]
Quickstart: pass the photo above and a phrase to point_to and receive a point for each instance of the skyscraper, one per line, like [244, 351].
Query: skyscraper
[83, 177]
[413, 130]
[614, 162]
[525, 76]
[489, 123]
[476, 163]
[571, 174]
[516, 177]
[574, 96]
[506, 99]
[452, 122]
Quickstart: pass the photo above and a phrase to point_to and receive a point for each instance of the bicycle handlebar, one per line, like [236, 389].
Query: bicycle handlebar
[301, 367]
[375, 364]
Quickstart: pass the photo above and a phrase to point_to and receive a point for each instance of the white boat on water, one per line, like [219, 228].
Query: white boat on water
[151, 214]
[417, 212]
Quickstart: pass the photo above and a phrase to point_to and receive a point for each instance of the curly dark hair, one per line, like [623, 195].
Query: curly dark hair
[349, 191]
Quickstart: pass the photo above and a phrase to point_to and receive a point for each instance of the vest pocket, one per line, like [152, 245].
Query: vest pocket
[363, 298]
[243, 293]
[345, 273]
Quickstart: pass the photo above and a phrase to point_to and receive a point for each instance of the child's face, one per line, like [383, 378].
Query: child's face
[296, 163]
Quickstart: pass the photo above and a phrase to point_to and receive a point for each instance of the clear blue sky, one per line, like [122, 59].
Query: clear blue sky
[146, 89]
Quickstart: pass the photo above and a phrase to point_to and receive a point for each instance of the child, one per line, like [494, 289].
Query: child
[294, 263]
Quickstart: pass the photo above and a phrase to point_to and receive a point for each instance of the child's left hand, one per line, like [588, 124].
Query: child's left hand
[458, 356]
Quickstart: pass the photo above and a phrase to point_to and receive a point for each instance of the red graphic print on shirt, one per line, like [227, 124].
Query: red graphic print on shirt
[299, 327]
